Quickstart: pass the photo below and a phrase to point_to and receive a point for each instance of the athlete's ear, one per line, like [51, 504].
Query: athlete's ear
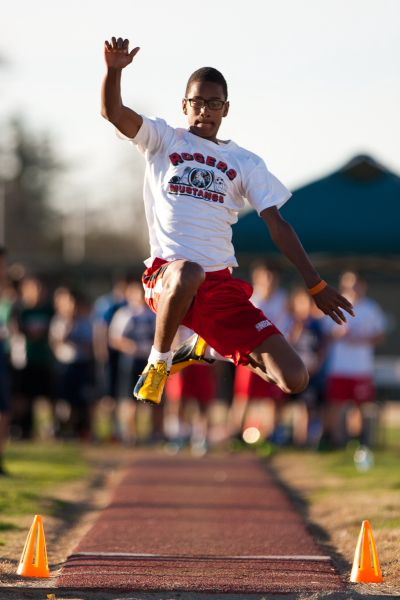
[226, 109]
[184, 106]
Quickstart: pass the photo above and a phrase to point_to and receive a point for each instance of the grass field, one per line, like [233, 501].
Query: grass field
[37, 470]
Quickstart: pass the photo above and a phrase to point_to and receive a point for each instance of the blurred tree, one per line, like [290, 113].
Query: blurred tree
[28, 170]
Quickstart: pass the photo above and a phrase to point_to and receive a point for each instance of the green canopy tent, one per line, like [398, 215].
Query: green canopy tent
[353, 211]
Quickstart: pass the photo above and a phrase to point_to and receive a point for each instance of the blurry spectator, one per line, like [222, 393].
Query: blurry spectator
[71, 338]
[351, 365]
[107, 357]
[262, 401]
[256, 403]
[193, 392]
[305, 333]
[268, 294]
[31, 320]
[131, 333]
[5, 399]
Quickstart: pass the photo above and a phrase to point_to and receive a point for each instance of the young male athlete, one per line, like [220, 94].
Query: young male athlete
[195, 185]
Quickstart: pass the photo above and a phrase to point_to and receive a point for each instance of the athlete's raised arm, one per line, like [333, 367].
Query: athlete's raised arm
[326, 297]
[117, 57]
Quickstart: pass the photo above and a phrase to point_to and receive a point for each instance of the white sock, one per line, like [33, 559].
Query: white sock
[155, 356]
[211, 353]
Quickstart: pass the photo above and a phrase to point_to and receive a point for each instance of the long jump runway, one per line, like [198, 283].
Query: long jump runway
[215, 524]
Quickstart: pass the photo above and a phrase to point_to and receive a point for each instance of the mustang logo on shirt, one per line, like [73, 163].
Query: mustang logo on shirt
[199, 183]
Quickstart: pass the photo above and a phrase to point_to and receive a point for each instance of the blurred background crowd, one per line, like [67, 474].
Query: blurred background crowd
[68, 364]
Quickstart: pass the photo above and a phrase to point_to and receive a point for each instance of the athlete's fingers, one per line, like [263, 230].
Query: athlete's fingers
[346, 305]
[108, 46]
[349, 310]
[125, 44]
[133, 52]
[120, 41]
[341, 316]
[331, 308]
[114, 42]
[335, 300]
[334, 316]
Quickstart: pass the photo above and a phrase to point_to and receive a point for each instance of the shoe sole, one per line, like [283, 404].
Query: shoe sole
[143, 401]
[175, 368]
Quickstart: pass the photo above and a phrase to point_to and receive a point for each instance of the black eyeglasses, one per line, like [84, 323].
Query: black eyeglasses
[213, 104]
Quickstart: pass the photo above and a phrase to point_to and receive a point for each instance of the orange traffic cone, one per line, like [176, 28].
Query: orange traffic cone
[33, 561]
[366, 567]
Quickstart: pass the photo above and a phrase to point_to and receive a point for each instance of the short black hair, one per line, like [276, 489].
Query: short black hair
[208, 74]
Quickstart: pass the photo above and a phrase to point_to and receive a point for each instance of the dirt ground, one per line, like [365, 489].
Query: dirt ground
[335, 521]
[328, 522]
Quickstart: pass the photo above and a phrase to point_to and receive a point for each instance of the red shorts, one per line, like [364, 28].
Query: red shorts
[221, 312]
[195, 382]
[249, 386]
[345, 389]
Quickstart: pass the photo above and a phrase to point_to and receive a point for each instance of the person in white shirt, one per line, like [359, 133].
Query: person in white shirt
[195, 185]
[131, 333]
[350, 365]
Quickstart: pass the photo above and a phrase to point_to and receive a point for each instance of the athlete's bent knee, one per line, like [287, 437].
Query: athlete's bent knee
[297, 381]
[187, 275]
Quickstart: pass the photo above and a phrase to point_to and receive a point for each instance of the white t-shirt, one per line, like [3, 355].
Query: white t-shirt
[135, 323]
[355, 359]
[194, 190]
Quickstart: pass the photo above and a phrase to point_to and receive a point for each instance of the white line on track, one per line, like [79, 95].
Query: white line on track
[301, 557]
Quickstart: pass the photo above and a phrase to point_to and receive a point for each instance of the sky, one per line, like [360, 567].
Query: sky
[311, 82]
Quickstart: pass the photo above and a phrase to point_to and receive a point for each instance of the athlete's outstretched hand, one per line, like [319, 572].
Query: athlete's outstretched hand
[117, 53]
[333, 304]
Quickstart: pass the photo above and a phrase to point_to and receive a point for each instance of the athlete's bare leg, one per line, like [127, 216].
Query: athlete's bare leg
[181, 281]
[275, 360]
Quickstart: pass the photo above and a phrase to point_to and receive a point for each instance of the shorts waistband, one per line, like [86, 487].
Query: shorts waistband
[221, 274]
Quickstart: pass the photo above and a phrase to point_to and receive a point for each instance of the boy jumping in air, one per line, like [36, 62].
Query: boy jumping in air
[195, 185]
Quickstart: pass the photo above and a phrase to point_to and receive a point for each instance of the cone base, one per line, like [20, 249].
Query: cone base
[360, 578]
[36, 573]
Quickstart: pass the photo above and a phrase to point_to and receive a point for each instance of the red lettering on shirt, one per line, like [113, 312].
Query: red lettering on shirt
[222, 166]
[210, 161]
[231, 174]
[176, 159]
[187, 190]
[187, 156]
[198, 157]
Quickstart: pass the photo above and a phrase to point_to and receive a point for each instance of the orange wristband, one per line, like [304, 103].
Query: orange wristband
[318, 288]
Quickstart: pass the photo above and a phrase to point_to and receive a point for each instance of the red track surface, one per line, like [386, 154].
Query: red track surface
[216, 524]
